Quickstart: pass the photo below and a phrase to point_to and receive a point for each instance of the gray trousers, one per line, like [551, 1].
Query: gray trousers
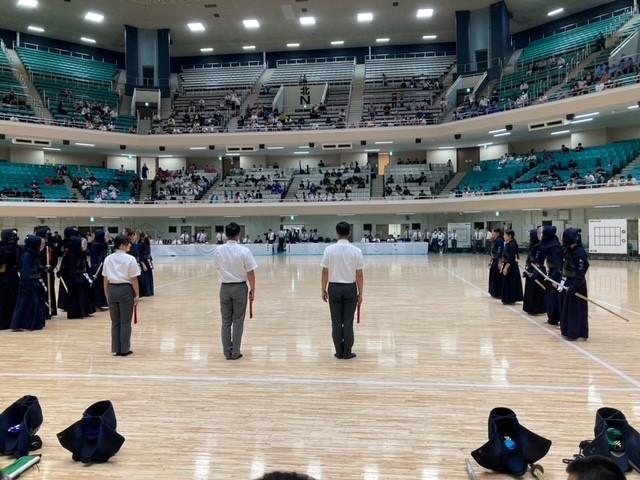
[120, 302]
[343, 300]
[233, 306]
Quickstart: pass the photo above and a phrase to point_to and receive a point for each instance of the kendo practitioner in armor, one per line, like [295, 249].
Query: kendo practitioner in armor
[31, 308]
[574, 314]
[495, 277]
[49, 261]
[511, 282]
[99, 251]
[535, 296]
[63, 294]
[146, 265]
[74, 267]
[10, 255]
[553, 258]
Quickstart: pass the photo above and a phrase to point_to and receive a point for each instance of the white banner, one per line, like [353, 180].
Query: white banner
[608, 236]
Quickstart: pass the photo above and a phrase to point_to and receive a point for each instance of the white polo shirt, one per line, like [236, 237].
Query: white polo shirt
[233, 261]
[342, 259]
[120, 267]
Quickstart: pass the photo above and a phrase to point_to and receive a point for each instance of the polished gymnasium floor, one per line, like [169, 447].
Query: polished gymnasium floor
[435, 354]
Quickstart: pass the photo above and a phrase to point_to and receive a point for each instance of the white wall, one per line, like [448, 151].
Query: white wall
[493, 151]
[33, 157]
[442, 156]
[172, 163]
[589, 139]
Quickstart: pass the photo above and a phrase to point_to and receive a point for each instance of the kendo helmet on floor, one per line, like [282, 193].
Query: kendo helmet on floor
[93, 438]
[19, 424]
[511, 448]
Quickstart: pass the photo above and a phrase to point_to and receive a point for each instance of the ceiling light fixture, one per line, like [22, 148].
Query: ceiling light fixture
[293, 45]
[365, 17]
[251, 23]
[555, 12]
[94, 17]
[429, 37]
[87, 40]
[51, 149]
[275, 148]
[249, 47]
[206, 49]
[79, 144]
[584, 115]
[301, 153]
[606, 206]
[33, 28]
[28, 3]
[371, 150]
[337, 42]
[485, 144]
[425, 13]
[560, 132]
[499, 130]
[633, 107]
[446, 148]
[382, 40]
[386, 142]
[503, 134]
[306, 21]
[196, 27]
[584, 120]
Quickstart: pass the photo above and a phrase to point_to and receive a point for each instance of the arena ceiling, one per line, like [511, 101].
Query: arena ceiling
[224, 31]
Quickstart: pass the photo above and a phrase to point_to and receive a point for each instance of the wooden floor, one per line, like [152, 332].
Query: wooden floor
[435, 354]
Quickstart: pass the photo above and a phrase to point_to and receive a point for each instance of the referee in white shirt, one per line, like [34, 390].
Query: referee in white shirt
[120, 271]
[342, 286]
[236, 266]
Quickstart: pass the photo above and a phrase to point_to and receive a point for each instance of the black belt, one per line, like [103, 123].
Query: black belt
[235, 283]
[125, 283]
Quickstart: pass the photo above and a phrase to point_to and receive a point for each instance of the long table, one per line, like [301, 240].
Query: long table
[205, 250]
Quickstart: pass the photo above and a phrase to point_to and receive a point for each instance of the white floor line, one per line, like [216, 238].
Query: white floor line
[573, 345]
[311, 381]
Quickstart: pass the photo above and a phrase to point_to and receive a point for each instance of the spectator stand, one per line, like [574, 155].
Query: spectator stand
[77, 89]
[335, 74]
[13, 95]
[30, 182]
[414, 180]
[402, 89]
[104, 185]
[330, 184]
[181, 186]
[256, 186]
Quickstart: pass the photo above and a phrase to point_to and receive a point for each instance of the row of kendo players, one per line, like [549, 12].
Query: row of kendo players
[554, 274]
[28, 274]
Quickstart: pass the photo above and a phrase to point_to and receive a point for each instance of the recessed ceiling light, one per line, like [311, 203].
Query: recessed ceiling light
[249, 47]
[87, 40]
[196, 27]
[424, 13]
[372, 150]
[337, 42]
[35, 29]
[303, 146]
[606, 206]
[197, 148]
[382, 40]
[584, 120]
[51, 149]
[301, 153]
[28, 3]
[307, 21]
[251, 23]
[293, 45]
[584, 115]
[79, 144]
[555, 12]
[206, 49]
[386, 142]
[503, 134]
[365, 17]
[500, 130]
[429, 37]
[446, 148]
[485, 144]
[94, 17]
[275, 148]
[633, 107]
[560, 132]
